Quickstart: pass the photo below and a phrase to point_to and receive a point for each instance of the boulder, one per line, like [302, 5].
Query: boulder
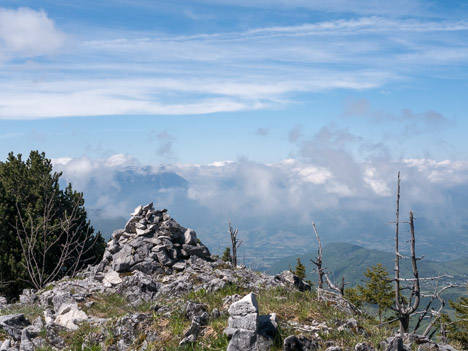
[300, 343]
[246, 330]
[200, 250]
[190, 237]
[13, 324]
[290, 279]
[242, 324]
[69, 316]
[111, 278]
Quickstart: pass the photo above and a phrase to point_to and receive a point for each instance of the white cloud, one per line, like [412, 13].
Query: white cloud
[285, 196]
[120, 160]
[26, 32]
[259, 68]
[288, 188]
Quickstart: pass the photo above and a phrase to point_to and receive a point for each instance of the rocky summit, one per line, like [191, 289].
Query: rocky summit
[159, 288]
[151, 242]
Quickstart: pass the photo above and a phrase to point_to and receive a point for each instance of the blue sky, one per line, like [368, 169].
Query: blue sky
[315, 104]
[203, 81]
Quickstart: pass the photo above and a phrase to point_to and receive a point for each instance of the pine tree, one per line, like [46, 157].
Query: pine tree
[378, 288]
[227, 255]
[300, 270]
[459, 329]
[352, 295]
[39, 222]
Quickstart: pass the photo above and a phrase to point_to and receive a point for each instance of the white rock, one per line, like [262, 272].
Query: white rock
[190, 237]
[137, 211]
[111, 278]
[248, 304]
[70, 317]
[48, 317]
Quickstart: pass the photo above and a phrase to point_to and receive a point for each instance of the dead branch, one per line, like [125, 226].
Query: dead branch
[428, 278]
[39, 237]
[332, 286]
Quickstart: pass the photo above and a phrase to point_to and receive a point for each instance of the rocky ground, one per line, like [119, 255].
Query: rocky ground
[158, 288]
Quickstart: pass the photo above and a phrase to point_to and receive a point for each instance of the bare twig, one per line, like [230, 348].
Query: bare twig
[63, 235]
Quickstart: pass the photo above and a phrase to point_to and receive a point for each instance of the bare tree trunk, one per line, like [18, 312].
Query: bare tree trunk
[342, 286]
[397, 253]
[405, 310]
[318, 260]
[234, 244]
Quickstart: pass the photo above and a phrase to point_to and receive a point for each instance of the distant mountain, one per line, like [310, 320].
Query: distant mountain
[130, 187]
[107, 201]
[350, 261]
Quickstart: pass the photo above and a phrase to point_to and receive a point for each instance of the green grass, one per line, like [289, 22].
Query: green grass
[76, 339]
[31, 312]
[114, 305]
[215, 299]
[293, 305]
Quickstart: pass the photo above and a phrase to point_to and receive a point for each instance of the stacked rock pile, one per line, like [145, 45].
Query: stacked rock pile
[151, 242]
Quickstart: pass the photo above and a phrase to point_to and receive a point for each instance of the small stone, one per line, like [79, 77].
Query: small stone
[137, 211]
[179, 266]
[148, 207]
[190, 237]
[111, 278]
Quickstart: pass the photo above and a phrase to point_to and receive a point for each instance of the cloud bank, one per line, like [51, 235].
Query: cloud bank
[349, 200]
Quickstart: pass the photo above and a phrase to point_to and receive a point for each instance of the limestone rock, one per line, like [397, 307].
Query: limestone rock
[446, 347]
[193, 309]
[246, 330]
[69, 316]
[5, 346]
[13, 324]
[363, 346]
[248, 304]
[190, 237]
[151, 242]
[242, 324]
[334, 348]
[3, 302]
[299, 343]
[292, 280]
[111, 278]
[396, 344]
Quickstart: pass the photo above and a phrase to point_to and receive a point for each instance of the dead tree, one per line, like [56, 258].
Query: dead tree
[49, 234]
[318, 260]
[431, 313]
[235, 243]
[320, 270]
[342, 286]
[406, 309]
